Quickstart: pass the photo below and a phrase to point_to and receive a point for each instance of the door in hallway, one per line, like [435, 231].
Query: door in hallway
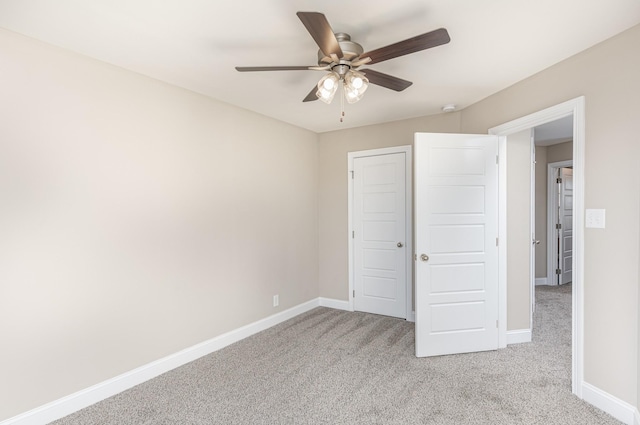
[565, 215]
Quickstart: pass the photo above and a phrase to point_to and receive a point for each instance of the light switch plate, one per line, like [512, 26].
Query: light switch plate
[595, 218]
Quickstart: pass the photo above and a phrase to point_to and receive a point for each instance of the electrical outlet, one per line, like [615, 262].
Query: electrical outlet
[276, 300]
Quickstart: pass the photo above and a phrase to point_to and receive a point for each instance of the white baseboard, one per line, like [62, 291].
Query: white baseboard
[542, 281]
[84, 398]
[621, 410]
[336, 304]
[518, 336]
[411, 317]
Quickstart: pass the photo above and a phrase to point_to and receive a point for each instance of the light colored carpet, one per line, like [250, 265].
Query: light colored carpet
[336, 367]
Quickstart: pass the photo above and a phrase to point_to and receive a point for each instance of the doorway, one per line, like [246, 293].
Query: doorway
[553, 202]
[575, 108]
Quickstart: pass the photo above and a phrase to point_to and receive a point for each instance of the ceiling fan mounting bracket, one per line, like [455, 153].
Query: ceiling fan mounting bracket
[350, 50]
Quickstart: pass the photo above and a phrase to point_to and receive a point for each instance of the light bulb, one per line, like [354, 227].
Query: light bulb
[328, 84]
[356, 83]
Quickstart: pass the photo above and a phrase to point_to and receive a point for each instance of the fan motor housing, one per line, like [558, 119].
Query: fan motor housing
[350, 50]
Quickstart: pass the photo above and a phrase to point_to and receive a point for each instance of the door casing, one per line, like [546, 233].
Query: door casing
[575, 107]
[351, 156]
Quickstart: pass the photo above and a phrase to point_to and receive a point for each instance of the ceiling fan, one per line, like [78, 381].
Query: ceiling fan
[342, 58]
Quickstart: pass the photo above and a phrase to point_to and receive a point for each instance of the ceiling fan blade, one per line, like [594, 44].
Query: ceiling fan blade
[319, 28]
[312, 95]
[384, 80]
[274, 68]
[411, 45]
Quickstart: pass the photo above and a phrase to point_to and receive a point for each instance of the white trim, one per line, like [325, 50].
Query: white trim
[636, 417]
[83, 398]
[575, 107]
[532, 226]
[408, 220]
[411, 317]
[604, 401]
[518, 336]
[542, 281]
[502, 244]
[335, 304]
[552, 213]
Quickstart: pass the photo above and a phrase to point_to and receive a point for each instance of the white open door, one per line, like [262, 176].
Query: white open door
[456, 222]
[566, 225]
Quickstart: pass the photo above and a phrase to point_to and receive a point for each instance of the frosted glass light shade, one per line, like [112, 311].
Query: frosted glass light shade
[327, 87]
[355, 84]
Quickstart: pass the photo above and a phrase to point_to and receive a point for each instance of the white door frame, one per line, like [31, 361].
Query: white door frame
[552, 212]
[575, 107]
[532, 230]
[351, 156]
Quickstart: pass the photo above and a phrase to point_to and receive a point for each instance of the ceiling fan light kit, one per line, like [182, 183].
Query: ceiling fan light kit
[355, 84]
[327, 87]
[341, 57]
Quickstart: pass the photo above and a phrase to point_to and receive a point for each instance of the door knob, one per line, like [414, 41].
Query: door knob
[399, 244]
[424, 257]
[536, 242]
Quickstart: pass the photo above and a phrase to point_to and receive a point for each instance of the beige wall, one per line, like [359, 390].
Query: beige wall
[560, 152]
[607, 75]
[541, 211]
[332, 150]
[137, 219]
[544, 156]
[518, 230]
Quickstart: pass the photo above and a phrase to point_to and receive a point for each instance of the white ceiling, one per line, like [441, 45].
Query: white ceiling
[196, 44]
[553, 132]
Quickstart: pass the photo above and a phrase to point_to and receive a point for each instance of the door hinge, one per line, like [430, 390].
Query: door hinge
[497, 159]
[354, 293]
[352, 174]
[558, 271]
[353, 234]
[497, 323]
[558, 180]
[497, 241]
[415, 257]
[558, 226]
